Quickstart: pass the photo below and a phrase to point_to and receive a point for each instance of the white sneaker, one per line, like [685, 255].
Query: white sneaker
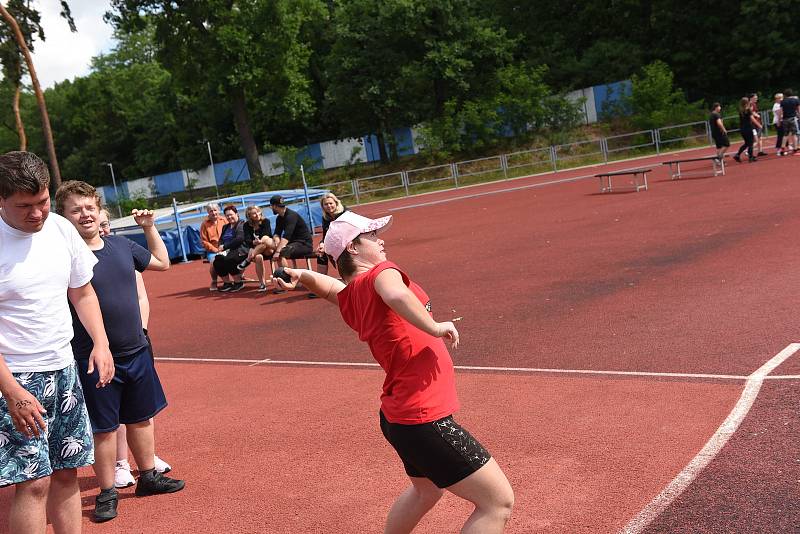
[122, 475]
[161, 466]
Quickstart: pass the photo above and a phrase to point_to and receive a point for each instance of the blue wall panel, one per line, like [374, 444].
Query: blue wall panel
[170, 182]
[232, 171]
[405, 141]
[607, 95]
[312, 153]
[371, 148]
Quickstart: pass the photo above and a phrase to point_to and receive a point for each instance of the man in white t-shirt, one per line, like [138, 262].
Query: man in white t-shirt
[44, 427]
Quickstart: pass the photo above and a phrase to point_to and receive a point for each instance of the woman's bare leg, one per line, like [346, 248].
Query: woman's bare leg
[489, 490]
[412, 505]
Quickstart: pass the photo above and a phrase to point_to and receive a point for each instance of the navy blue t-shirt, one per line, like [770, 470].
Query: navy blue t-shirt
[114, 282]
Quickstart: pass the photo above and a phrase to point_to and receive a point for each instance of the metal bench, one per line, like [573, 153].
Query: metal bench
[606, 179]
[717, 164]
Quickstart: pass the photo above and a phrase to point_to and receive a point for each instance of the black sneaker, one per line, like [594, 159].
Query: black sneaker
[761, 154]
[737, 158]
[752, 159]
[105, 506]
[243, 265]
[155, 483]
[237, 286]
[226, 287]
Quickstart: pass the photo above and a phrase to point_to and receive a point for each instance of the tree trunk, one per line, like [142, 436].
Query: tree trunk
[23, 140]
[242, 122]
[382, 146]
[55, 173]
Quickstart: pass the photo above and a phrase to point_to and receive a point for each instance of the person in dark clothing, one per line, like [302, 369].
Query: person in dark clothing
[135, 395]
[789, 107]
[718, 131]
[257, 236]
[292, 238]
[232, 251]
[748, 124]
[332, 208]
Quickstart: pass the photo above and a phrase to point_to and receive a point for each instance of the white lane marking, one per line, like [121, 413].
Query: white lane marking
[269, 361]
[505, 190]
[782, 377]
[712, 447]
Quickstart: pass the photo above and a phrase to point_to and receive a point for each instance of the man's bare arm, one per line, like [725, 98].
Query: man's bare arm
[86, 305]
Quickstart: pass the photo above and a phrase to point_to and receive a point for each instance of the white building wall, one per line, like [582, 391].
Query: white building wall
[338, 153]
[271, 164]
[589, 109]
[141, 187]
[204, 177]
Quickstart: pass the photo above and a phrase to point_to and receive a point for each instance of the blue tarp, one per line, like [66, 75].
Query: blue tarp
[191, 234]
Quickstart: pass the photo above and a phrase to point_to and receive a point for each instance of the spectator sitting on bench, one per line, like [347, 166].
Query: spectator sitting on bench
[332, 207]
[210, 230]
[232, 251]
[291, 238]
[257, 236]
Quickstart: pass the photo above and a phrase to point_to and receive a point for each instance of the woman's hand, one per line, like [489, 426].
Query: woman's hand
[448, 331]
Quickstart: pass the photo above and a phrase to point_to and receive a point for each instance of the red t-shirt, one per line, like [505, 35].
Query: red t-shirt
[420, 382]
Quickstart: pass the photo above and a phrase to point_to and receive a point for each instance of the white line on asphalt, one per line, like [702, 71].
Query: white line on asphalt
[712, 447]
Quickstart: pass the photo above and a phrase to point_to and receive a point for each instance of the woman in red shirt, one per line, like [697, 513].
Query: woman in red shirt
[392, 314]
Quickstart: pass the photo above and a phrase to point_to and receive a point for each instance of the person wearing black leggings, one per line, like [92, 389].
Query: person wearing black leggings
[747, 124]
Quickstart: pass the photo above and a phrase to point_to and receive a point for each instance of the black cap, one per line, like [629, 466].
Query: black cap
[276, 200]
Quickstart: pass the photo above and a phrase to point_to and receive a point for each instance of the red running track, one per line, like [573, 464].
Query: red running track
[692, 276]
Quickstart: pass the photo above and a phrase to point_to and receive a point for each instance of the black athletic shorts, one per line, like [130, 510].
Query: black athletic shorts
[296, 250]
[440, 451]
[721, 140]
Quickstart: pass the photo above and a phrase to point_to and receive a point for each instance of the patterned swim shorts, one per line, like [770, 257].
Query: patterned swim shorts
[67, 441]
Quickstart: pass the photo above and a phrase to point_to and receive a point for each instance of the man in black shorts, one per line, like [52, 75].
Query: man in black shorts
[789, 110]
[292, 237]
[718, 131]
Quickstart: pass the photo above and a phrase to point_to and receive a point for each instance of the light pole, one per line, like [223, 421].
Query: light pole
[114, 181]
[213, 171]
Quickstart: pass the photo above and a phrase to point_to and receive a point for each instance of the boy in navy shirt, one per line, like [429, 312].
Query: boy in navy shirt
[135, 395]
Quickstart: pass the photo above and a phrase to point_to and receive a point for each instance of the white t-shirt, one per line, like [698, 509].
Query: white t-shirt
[35, 271]
[776, 107]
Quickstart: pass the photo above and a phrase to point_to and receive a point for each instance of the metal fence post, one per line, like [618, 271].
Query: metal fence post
[504, 165]
[404, 179]
[354, 183]
[553, 158]
[454, 172]
[657, 137]
[708, 131]
[604, 148]
[180, 230]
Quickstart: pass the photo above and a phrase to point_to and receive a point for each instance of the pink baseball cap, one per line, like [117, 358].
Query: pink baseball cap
[347, 227]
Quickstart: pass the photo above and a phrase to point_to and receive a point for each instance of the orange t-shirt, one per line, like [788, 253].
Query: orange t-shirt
[210, 232]
[420, 380]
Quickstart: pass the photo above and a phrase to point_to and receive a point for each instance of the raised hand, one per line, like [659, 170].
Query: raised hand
[143, 218]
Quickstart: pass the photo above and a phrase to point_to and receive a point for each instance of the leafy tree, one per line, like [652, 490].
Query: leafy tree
[397, 62]
[655, 101]
[236, 48]
[22, 25]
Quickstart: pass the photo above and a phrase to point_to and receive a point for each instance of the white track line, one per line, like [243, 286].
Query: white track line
[712, 447]
[269, 361]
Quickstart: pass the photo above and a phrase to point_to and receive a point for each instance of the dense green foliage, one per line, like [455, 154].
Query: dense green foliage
[248, 75]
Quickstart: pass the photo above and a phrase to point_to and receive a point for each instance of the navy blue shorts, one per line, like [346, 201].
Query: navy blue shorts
[134, 395]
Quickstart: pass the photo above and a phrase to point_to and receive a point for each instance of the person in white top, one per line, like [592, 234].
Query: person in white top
[44, 426]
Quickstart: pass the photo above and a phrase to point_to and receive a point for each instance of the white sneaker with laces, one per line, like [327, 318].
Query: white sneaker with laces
[161, 466]
[122, 475]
